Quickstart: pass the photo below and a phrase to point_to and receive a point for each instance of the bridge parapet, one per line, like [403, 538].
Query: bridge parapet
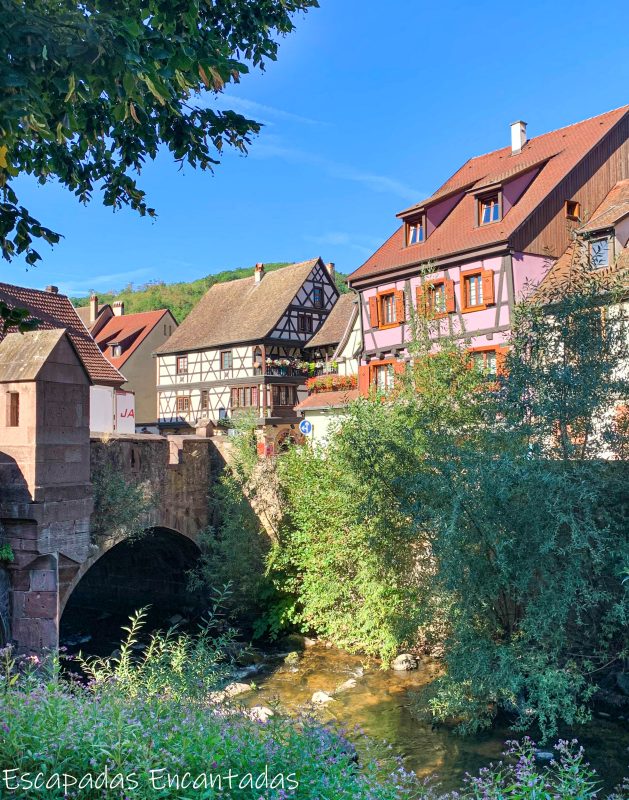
[55, 546]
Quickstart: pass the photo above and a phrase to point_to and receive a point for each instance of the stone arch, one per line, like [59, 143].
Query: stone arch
[127, 575]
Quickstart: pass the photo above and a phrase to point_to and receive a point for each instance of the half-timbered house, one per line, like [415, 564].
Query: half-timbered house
[480, 243]
[241, 349]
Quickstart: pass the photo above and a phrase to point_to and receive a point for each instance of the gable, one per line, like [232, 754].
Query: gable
[527, 179]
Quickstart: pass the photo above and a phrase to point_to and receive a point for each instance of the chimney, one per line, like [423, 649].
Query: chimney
[259, 273]
[93, 307]
[118, 307]
[52, 289]
[518, 137]
[331, 268]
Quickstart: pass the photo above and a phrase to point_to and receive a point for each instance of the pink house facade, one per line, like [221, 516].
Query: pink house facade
[484, 240]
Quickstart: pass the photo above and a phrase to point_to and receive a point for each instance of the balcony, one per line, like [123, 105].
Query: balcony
[284, 367]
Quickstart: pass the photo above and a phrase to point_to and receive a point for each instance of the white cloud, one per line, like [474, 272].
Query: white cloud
[377, 183]
[343, 239]
[103, 283]
[260, 111]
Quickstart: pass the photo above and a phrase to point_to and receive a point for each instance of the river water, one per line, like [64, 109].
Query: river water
[380, 704]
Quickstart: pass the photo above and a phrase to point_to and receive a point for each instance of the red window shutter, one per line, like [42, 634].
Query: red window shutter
[450, 301]
[261, 448]
[399, 367]
[420, 301]
[488, 287]
[501, 354]
[363, 381]
[373, 312]
[400, 311]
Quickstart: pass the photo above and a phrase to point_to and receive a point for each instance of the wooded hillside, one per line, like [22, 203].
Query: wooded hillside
[181, 297]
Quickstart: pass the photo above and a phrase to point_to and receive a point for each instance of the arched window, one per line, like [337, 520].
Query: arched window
[257, 361]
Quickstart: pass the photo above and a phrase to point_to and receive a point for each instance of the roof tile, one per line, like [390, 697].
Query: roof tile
[238, 311]
[558, 151]
[55, 311]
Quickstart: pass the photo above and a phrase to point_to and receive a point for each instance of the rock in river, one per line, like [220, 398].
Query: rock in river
[321, 698]
[404, 662]
[260, 713]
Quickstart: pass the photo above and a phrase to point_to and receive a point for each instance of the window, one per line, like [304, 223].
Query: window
[183, 403]
[599, 252]
[304, 323]
[489, 209]
[437, 298]
[317, 297]
[573, 210]
[182, 365]
[387, 309]
[227, 360]
[415, 232]
[116, 350]
[257, 360]
[13, 409]
[473, 290]
[383, 377]
[486, 360]
[282, 395]
[204, 399]
[244, 397]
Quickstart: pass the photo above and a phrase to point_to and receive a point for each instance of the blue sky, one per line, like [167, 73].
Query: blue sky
[370, 107]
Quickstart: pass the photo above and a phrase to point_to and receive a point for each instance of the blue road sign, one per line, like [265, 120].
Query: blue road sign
[305, 427]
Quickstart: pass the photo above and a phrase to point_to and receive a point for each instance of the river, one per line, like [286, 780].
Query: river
[380, 705]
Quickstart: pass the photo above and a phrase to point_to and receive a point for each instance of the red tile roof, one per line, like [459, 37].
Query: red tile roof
[558, 152]
[323, 400]
[129, 330]
[335, 325]
[575, 261]
[613, 208]
[55, 311]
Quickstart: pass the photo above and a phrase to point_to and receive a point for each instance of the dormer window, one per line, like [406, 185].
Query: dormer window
[489, 208]
[599, 252]
[573, 210]
[415, 232]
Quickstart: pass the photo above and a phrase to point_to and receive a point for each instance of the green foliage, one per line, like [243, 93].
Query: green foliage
[235, 546]
[173, 665]
[529, 524]
[6, 552]
[120, 507]
[477, 510]
[139, 717]
[19, 318]
[89, 91]
[181, 297]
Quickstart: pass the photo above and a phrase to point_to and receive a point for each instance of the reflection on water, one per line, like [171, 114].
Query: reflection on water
[380, 705]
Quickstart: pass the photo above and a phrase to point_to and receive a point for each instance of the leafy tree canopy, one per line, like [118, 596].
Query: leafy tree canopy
[89, 90]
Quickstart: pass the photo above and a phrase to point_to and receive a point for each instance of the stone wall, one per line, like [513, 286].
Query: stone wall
[5, 585]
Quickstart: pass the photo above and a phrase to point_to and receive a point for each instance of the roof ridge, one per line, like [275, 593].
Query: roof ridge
[30, 289]
[546, 133]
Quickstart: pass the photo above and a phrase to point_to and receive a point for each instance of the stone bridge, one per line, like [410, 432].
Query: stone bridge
[59, 559]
